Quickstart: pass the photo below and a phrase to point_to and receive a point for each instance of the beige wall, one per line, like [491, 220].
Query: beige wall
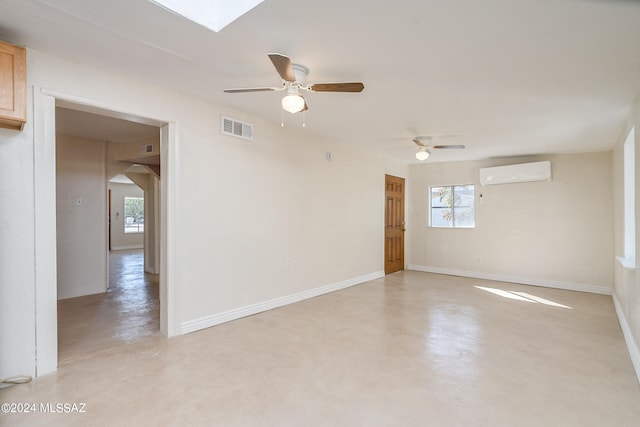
[251, 206]
[556, 233]
[120, 240]
[81, 216]
[626, 290]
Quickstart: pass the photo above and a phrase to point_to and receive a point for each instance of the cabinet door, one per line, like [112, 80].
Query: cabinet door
[13, 86]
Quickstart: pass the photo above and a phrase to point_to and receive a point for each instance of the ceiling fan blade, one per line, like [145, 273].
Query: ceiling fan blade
[449, 147]
[419, 142]
[251, 89]
[283, 66]
[337, 87]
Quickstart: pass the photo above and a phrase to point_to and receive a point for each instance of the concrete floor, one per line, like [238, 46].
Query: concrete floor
[410, 349]
[128, 313]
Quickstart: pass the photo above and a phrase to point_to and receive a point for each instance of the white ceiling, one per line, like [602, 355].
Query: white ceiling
[101, 127]
[503, 77]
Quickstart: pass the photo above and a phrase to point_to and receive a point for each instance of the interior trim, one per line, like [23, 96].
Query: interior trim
[632, 345]
[227, 316]
[593, 289]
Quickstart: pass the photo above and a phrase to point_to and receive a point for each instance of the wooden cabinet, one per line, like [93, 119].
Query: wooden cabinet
[13, 86]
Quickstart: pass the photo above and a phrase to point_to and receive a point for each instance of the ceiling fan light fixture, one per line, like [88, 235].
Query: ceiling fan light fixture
[422, 154]
[293, 103]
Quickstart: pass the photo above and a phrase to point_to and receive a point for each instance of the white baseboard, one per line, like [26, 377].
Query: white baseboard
[216, 319]
[515, 279]
[632, 345]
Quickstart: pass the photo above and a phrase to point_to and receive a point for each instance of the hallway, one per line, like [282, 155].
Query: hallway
[128, 312]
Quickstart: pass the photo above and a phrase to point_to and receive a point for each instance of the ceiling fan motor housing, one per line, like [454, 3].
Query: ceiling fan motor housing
[300, 72]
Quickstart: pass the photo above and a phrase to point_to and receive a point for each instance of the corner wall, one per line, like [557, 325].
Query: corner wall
[556, 233]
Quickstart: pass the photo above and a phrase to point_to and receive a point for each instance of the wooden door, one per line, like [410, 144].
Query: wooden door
[394, 224]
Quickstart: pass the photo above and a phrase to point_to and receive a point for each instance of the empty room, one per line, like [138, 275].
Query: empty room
[284, 213]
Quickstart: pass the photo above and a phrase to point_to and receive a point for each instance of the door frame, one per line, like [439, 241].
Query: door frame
[44, 104]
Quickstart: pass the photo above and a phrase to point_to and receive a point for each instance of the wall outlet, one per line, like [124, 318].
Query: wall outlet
[288, 263]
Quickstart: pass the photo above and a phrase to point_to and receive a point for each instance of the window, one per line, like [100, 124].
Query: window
[629, 174]
[453, 206]
[134, 214]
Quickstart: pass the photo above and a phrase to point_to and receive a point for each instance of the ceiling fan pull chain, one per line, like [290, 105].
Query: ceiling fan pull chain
[281, 118]
[304, 119]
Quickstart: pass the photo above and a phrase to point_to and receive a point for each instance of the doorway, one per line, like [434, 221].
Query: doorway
[394, 224]
[102, 302]
[45, 104]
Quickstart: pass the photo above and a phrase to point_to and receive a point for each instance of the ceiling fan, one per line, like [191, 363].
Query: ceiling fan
[425, 147]
[294, 79]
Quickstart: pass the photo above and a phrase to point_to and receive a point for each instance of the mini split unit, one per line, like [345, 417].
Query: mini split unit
[510, 174]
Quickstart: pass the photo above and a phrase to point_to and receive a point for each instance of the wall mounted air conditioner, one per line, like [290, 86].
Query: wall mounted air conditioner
[523, 172]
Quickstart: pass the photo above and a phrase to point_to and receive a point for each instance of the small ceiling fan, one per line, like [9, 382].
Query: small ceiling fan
[425, 147]
[294, 79]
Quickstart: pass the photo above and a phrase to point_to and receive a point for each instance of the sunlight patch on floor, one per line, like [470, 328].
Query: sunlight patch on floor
[522, 296]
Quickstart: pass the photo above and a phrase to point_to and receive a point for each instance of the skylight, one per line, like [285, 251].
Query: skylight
[212, 14]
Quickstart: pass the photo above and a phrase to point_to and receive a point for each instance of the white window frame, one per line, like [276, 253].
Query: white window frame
[138, 231]
[628, 260]
[453, 224]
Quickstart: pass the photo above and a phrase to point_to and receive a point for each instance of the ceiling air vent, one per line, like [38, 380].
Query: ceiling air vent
[146, 149]
[237, 128]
